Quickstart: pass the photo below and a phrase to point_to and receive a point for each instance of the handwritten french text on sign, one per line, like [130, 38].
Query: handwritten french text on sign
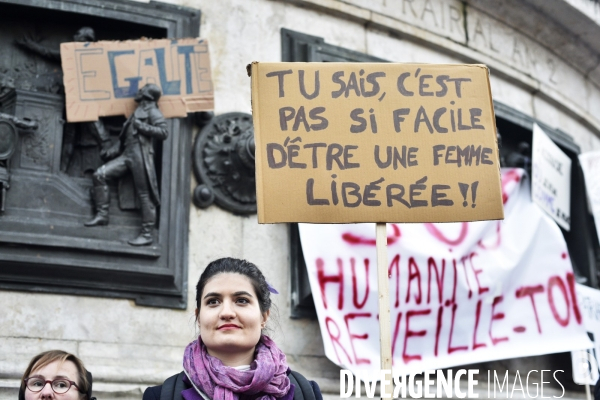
[551, 182]
[590, 163]
[585, 362]
[356, 142]
[459, 293]
[102, 78]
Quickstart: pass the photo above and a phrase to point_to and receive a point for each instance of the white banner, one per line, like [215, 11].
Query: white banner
[551, 181]
[585, 362]
[460, 293]
[590, 163]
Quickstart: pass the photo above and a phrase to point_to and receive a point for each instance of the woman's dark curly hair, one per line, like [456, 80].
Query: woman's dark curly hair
[237, 266]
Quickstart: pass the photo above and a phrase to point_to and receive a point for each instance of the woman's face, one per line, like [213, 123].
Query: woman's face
[55, 370]
[230, 320]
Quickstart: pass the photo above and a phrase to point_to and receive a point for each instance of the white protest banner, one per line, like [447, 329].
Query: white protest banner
[585, 362]
[551, 181]
[590, 163]
[460, 293]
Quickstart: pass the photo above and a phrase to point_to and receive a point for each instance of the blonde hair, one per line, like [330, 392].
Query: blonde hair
[48, 357]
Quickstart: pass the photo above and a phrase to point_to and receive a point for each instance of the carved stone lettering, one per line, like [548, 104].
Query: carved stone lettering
[511, 49]
[509, 46]
[444, 18]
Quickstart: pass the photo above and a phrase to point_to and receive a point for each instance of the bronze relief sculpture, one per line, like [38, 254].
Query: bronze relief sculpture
[89, 152]
[134, 153]
[10, 127]
[82, 142]
[142, 164]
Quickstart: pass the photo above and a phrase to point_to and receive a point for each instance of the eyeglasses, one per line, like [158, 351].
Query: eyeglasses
[59, 386]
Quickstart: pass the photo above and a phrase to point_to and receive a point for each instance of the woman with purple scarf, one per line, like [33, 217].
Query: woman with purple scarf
[232, 359]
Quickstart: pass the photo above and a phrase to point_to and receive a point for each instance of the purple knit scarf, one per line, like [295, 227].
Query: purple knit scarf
[266, 379]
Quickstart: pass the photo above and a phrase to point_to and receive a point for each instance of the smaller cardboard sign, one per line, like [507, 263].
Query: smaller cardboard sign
[585, 367]
[551, 181]
[102, 78]
[590, 163]
[361, 142]
[585, 362]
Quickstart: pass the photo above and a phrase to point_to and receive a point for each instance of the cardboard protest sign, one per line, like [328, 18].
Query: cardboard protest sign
[590, 163]
[460, 293]
[359, 142]
[551, 180]
[585, 362]
[102, 78]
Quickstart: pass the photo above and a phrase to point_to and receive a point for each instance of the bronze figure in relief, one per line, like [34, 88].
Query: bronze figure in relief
[134, 152]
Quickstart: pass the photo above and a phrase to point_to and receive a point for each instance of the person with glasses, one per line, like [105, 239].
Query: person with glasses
[56, 375]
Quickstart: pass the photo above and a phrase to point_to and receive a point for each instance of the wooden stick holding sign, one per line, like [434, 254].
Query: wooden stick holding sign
[359, 142]
[588, 393]
[385, 323]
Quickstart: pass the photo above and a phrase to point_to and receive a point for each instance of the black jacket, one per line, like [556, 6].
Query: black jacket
[153, 392]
